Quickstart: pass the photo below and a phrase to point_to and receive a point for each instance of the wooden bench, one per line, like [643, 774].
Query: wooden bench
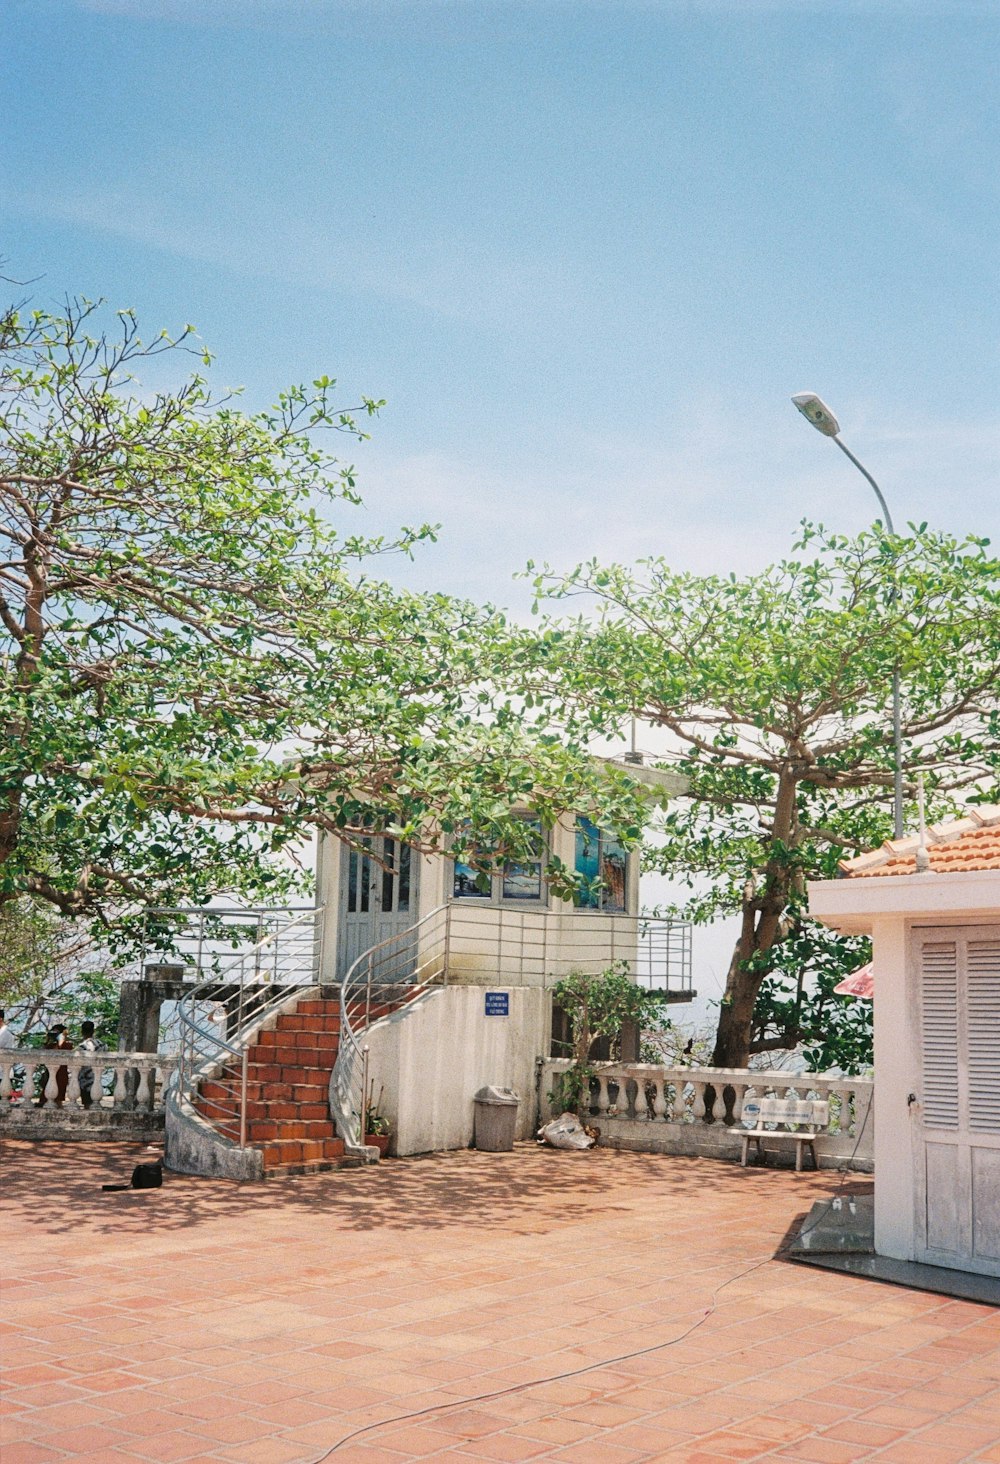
[798, 1121]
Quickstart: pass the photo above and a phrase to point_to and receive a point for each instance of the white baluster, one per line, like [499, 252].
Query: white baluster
[6, 1083]
[602, 1096]
[73, 1099]
[740, 1092]
[698, 1103]
[121, 1089]
[660, 1104]
[146, 1095]
[680, 1103]
[49, 1091]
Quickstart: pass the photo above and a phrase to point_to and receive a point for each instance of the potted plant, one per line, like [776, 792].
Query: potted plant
[377, 1129]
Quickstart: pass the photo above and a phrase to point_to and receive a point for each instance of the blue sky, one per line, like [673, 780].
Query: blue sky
[585, 248]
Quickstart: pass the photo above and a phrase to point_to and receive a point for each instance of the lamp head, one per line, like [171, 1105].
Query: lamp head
[817, 412]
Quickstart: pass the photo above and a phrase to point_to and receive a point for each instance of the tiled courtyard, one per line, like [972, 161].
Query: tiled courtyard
[270, 1324]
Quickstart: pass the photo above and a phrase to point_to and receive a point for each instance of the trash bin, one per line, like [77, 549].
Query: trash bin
[496, 1119]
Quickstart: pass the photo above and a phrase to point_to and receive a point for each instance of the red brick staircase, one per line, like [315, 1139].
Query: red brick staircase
[288, 1075]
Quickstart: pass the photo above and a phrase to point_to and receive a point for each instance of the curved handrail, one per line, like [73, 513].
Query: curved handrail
[204, 1046]
[398, 965]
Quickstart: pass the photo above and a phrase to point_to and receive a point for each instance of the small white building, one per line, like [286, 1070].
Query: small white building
[484, 951]
[505, 926]
[936, 960]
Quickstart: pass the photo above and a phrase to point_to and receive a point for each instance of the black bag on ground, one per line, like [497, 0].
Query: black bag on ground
[144, 1176]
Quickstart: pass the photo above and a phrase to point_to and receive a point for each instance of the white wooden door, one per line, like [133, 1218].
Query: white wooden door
[377, 897]
[957, 1158]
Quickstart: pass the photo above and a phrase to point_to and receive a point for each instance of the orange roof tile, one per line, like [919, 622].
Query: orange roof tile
[970, 843]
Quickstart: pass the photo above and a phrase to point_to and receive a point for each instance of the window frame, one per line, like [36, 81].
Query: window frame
[495, 896]
[629, 855]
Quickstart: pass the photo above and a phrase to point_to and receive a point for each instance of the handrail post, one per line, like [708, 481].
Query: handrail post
[447, 941]
[243, 1098]
[363, 1117]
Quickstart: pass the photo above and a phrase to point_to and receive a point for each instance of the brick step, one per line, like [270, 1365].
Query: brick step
[267, 1073]
[315, 1166]
[316, 1007]
[300, 1021]
[282, 1109]
[295, 1037]
[301, 1151]
[220, 1090]
[310, 1048]
[270, 1130]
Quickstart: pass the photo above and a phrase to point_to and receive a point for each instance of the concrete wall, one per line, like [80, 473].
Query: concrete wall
[436, 1053]
[899, 1069]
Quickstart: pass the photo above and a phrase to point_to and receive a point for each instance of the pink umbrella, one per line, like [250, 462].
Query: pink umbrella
[860, 983]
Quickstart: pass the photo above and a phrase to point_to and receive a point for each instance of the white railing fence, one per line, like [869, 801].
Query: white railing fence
[33, 1079]
[690, 1110]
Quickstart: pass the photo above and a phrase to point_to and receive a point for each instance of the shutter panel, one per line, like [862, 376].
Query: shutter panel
[983, 961]
[939, 1019]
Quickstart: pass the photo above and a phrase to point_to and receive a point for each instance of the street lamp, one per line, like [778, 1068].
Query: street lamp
[818, 413]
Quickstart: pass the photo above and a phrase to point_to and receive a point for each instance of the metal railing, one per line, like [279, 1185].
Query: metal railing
[205, 939]
[244, 989]
[496, 946]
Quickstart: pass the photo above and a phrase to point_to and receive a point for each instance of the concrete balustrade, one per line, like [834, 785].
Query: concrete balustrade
[654, 1109]
[126, 1094]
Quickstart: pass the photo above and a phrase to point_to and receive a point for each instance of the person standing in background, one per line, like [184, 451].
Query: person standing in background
[88, 1043]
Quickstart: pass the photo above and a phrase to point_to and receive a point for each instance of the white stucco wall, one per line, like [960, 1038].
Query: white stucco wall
[890, 909]
[897, 1074]
[436, 1053]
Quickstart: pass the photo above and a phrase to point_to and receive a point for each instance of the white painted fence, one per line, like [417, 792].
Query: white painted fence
[646, 1107]
[122, 1081]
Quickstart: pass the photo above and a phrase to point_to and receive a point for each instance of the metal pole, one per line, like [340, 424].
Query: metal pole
[364, 1092]
[897, 726]
[243, 1099]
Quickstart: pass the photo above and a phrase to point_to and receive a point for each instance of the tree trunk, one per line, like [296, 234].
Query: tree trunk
[732, 1038]
[762, 929]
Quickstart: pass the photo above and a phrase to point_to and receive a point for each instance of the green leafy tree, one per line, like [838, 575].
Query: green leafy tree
[598, 1007]
[196, 667]
[797, 1005]
[49, 966]
[774, 693]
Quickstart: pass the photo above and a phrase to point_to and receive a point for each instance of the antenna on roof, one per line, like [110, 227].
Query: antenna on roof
[633, 755]
[922, 858]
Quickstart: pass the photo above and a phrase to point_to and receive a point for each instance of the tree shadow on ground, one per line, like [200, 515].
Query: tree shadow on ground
[525, 1192]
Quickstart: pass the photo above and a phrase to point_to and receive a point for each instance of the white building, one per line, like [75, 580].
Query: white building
[936, 958]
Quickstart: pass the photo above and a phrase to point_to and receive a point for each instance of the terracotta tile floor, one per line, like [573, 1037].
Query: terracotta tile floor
[277, 1323]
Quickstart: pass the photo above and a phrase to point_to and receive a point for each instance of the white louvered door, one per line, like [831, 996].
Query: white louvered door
[957, 1191]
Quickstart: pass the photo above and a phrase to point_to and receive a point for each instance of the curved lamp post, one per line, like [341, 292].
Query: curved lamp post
[818, 413]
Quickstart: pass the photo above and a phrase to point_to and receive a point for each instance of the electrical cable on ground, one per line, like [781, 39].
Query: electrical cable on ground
[576, 1372]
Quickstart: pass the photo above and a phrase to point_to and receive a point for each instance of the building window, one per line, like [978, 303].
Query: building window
[514, 881]
[602, 862]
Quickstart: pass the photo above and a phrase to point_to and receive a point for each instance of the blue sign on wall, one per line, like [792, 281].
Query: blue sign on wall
[498, 1003]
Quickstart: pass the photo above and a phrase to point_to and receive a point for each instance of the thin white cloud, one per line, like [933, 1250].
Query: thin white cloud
[719, 499]
[460, 279]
